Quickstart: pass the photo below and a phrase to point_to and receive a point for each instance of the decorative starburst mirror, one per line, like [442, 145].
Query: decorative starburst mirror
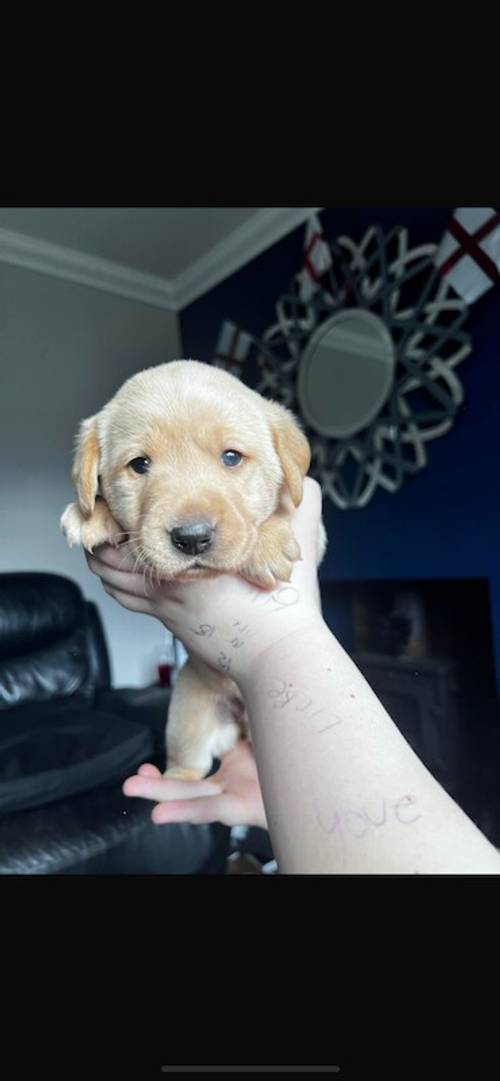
[364, 349]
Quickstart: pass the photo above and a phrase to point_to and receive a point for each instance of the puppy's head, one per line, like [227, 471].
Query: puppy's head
[190, 463]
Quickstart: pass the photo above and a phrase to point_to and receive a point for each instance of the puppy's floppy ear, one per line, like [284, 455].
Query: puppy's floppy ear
[291, 447]
[85, 472]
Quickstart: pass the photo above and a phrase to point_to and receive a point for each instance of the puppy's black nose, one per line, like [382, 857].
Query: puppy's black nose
[192, 537]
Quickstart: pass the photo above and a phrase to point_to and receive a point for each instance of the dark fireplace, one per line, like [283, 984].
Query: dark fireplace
[426, 648]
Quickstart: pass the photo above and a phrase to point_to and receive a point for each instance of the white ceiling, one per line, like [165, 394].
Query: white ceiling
[157, 240]
[166, 256]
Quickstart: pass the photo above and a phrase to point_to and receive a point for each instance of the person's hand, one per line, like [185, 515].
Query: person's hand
[231, 795]
[224, 620]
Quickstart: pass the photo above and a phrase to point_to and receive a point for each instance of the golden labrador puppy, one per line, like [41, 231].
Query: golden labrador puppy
[201, 473]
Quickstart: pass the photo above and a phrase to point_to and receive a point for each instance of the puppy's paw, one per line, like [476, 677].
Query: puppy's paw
[177, 773]
[274, 554]
[99, 528]
[71, 523]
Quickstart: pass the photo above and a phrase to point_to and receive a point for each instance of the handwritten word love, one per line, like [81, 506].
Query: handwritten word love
[359, 822]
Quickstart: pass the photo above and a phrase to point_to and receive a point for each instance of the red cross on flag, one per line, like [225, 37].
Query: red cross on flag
[232, 346]
[317, 259]
[469, 254]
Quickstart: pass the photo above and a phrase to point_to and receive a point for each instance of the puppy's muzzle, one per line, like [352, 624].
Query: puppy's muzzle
[192, 538]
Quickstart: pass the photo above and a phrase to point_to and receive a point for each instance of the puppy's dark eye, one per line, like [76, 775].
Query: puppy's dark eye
[140, 465]
[231, 457]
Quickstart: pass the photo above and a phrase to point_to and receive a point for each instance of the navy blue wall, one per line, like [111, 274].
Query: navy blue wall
[445, 521]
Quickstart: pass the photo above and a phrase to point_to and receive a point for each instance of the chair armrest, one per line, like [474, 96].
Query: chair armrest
[145, 705]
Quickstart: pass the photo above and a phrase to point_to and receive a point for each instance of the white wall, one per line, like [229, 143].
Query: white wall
[64, 350]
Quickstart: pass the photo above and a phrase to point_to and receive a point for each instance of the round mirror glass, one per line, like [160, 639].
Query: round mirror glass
[346, 373]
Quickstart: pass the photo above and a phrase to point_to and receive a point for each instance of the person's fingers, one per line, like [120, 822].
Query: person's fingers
[148, 770]
[305, 524]
[133, 601]
[116, 578]
[194, 811]
[162, 788]
[307, 516]
[118, 558]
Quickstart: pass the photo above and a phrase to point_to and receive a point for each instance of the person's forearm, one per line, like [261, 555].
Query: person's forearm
[343, 791]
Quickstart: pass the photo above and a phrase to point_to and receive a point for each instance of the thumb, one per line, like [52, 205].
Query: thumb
[306, 524]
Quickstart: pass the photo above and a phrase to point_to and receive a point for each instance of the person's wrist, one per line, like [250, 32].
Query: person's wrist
[239, 653]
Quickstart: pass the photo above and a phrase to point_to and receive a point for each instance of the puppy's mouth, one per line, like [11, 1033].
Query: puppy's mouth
[196, 569]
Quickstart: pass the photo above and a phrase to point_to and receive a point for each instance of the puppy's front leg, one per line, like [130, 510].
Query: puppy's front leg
[272, 558]
[200, 726]
[99, 528]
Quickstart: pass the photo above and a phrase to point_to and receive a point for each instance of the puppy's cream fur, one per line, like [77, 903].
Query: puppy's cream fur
[182, 416]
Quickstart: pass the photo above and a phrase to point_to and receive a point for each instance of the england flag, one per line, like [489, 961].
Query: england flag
[233, 346]
[317, 259]
[469, 254]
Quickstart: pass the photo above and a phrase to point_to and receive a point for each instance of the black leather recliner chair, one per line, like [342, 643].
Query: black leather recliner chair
[68, 740]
